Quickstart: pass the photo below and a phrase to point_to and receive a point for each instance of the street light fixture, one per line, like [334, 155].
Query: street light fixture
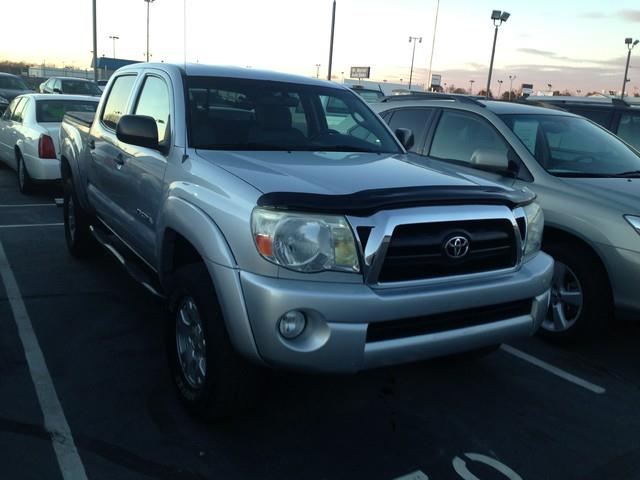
[471, 82]
[114, 38]
[500, 82]
[149, 2]
[318, 70]
[630, 43]
[413, 56]
[498, 18]
[511, 79]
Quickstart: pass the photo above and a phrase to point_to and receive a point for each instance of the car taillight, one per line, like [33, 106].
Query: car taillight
[46, 148]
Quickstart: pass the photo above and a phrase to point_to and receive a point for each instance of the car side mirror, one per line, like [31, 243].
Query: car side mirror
[139, 130]
[405, 136]
[490, 159]
[57, 90]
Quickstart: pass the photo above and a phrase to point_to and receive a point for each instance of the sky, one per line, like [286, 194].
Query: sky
[567, 43]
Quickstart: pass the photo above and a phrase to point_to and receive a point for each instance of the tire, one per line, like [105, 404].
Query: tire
[221, 383]
[25, 184]
[80, 242]
[581, 301]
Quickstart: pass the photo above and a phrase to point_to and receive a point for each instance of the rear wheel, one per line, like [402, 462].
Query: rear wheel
[581, 302]
[25, 184]
[211, 379]
[80, 242]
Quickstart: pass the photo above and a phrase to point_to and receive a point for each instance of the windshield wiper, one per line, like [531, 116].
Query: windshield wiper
[247, 147]
[630, 174]
[582, 175]
[343, 148]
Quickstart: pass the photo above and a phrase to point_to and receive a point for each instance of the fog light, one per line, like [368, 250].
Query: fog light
[292, 324]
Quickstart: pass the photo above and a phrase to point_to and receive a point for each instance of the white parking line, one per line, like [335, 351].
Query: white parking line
[54, 420]
[569, 377]
[33, 225]
[21, 205]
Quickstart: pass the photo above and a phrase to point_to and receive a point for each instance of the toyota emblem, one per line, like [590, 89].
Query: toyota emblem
[456, 247]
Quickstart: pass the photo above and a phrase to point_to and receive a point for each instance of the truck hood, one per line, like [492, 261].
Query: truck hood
[332, 173]
[621, 193]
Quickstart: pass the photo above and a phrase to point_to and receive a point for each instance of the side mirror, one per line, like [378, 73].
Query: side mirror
[490, 159]
[57, 90]
[139, 130]
[405, 136]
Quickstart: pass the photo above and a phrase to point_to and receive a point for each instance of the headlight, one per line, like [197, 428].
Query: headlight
[634, 221]
[305, 242]
[535, 227]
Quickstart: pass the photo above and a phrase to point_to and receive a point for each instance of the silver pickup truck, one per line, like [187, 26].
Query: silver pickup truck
[286, 226]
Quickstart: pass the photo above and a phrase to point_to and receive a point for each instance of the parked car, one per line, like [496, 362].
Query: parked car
[587, 181]
[614, 114]
[102, 84]
[29, 135]
[370, 95]
[10, 87]
[279, 239]
[70, 86]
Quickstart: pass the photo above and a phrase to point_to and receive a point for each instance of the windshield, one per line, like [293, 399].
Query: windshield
[12, 83]
[573, 147]
[79, 87]
[241, 114]
[54, 110]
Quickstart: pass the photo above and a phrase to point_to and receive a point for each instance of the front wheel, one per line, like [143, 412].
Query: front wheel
[211, 379]
[581, 302]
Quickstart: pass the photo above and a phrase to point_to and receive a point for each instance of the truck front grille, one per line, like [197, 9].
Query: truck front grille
[419, 251]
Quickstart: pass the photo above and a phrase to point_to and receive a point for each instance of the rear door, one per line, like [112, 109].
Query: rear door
[144, 168]
[106, 180]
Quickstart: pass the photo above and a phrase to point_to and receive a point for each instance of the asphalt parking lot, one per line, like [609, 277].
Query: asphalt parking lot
[528, 411]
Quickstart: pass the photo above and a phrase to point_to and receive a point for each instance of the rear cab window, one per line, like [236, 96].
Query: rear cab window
[118, 100]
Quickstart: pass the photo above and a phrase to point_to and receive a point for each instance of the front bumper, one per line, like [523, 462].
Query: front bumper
[339, 314]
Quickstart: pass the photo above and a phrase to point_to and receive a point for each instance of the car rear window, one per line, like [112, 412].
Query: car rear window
[80, 87]
[54, 110]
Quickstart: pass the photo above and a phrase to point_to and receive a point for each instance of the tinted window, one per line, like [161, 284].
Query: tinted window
[154, 102]
[54, 110]
[12, 83]
[415, 119]
[17, 114]
[460, 136]
[599, 115]
[241, 114]
[80, 87]
[629, 129]
[573, 146]
[55, 84]
[117, 102]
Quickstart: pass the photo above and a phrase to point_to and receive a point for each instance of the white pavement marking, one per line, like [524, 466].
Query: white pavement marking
[417, 475]
[20, 205]
[54, 420]
[555, 370]
[33, 225]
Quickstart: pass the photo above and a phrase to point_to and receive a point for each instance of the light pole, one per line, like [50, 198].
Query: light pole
[471, 82]
[630, 44]
[500, 82]
[433, 43]
[114, 38]
[413, 56]
[318, 70]
[149, 2]
[95, 44]
[511, 79]
[550, 87]
[498, 17]
[333, 27]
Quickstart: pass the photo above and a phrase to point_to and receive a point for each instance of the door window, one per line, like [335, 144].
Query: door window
[460, 135]
[154, 102]
[9, 111]
[416, 120]
[17, 114]
[116, 105]
[629, 129]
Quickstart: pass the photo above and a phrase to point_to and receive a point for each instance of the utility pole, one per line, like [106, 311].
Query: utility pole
[318, 70]
[95, 44]
[433, 43]
[413, 56]
[511, 79]
[498, 18]
[471, 82]
[630, 44]
[333, 26]
[148, 3]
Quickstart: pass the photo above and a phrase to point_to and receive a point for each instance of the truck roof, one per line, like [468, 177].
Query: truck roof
[202, 70]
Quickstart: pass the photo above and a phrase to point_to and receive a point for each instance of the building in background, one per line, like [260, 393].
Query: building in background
[106, 66]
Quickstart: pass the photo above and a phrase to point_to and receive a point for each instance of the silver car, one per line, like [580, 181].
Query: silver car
[587, 181]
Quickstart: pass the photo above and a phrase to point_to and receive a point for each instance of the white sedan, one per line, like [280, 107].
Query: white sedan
[29, 134]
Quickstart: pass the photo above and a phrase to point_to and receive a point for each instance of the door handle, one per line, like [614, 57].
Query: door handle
[120, 160]
[92, 144]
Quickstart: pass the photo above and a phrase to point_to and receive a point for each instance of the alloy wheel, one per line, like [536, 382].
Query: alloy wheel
[567, 300]
[191, 343]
